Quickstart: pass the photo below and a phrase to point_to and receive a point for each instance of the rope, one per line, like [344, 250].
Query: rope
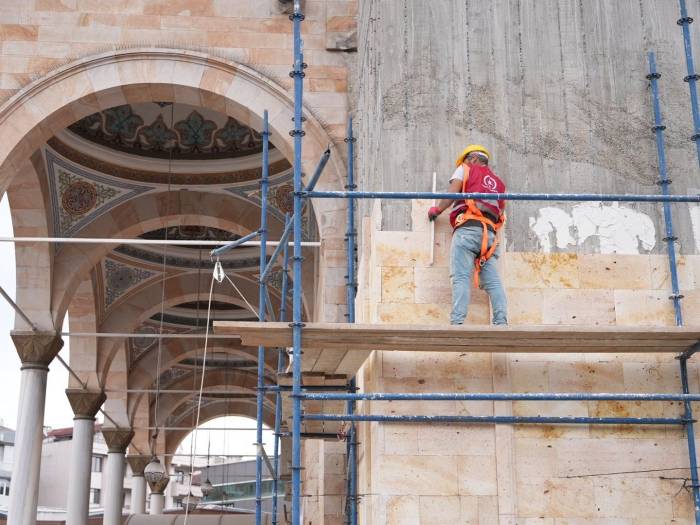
[193, 443]
[242, 296]
[162, 292]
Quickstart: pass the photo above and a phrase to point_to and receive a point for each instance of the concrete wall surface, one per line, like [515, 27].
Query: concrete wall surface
[556, 90]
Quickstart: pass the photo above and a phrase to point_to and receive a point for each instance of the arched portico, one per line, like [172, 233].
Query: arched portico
[50, 104]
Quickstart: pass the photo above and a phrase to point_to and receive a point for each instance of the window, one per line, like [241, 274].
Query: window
[180, 476]
[2, 452]
[97, 463]
[4, 487]
[179, 504]
[95, 496]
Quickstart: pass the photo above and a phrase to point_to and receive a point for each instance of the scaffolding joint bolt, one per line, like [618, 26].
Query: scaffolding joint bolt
[684, 20]
[695, 137]
[297, 132]
[654, 76]
[675, 296]
[688, 78]
[658, 127]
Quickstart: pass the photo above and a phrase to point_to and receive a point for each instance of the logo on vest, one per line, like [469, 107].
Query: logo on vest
[489, 183]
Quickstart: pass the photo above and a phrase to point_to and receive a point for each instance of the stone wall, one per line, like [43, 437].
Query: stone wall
[525, 475]
[39, 35]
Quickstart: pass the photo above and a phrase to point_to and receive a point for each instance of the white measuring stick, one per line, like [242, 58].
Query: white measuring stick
[432, 225]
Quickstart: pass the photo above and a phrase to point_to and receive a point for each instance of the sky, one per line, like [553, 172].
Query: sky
[58, 412]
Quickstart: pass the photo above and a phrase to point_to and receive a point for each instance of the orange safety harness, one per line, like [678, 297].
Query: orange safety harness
[474, 213]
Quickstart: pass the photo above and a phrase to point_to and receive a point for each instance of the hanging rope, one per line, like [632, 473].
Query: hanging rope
[154, 437]
[193, 444]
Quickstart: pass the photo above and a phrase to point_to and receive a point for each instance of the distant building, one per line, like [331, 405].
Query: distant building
[53, 486]
[7, 446]
[234, 486]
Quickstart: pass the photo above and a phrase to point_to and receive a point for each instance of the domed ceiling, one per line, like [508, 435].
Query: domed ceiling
[164, 130]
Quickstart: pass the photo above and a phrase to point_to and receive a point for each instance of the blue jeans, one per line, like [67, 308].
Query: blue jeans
[466, 246]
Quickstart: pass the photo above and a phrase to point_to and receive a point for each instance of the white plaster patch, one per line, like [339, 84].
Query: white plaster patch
[695, 223]
[618, 229]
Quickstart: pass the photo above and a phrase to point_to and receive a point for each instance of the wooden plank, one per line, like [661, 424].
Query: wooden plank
[538, 339]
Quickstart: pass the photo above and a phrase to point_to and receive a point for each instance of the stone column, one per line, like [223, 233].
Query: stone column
[85, 405]
[117, 440]
[158, 495]
[36, 350]
[138, 483]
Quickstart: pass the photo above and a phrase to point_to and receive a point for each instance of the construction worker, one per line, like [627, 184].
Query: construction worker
[475, 224]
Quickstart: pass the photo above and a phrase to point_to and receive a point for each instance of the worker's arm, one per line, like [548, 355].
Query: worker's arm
[455, 187]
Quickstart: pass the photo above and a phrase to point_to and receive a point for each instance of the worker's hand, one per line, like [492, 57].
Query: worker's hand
[433, 213]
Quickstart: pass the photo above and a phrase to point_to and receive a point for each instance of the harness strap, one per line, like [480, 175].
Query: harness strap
[474, 213]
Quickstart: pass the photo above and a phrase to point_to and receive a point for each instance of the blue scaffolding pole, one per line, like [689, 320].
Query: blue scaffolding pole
[298, 76]
[670, 238]
[351, 292]
[664, 182]
[262, 295]
[575, 197]
[692, 77]
[280, 369]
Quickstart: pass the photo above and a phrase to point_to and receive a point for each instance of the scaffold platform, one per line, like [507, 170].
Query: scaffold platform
[468, 338]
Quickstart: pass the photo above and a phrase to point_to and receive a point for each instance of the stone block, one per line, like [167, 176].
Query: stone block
[453, 365]
[661, 273]
[643, 308]
[9, 32]
[402, 510]
[615, 271]
[432, 285]
[401, 313]
[401, 248]
[557, 498]
[399, 439]
[541, 270]
[636, 497]
[525, 306]
[424, 475]
[439, 510]
[477, 475]
[398, 284]
[578, 307]
[455, 440]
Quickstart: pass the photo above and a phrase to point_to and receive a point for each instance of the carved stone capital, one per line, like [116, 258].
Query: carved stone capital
[37, 348]
[117, 439]
[85, 403]
[137, 464]
[159, 486]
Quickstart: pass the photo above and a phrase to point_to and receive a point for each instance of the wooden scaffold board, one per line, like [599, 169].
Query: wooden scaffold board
[467, 338]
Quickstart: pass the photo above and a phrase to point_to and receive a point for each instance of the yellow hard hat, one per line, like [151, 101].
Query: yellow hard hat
[471, 149]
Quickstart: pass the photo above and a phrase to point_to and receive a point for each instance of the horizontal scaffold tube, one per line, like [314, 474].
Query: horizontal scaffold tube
[499, 396]
[139, 241]
[499, 420]
[499, 196]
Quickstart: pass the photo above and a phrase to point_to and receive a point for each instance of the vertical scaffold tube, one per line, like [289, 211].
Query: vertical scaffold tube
[684, 21]
[351, 289]
[298, 75]
[352, 463]
[350, 285]
[690, 433]
[280, 369]
[664, 182]
[264, 182]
